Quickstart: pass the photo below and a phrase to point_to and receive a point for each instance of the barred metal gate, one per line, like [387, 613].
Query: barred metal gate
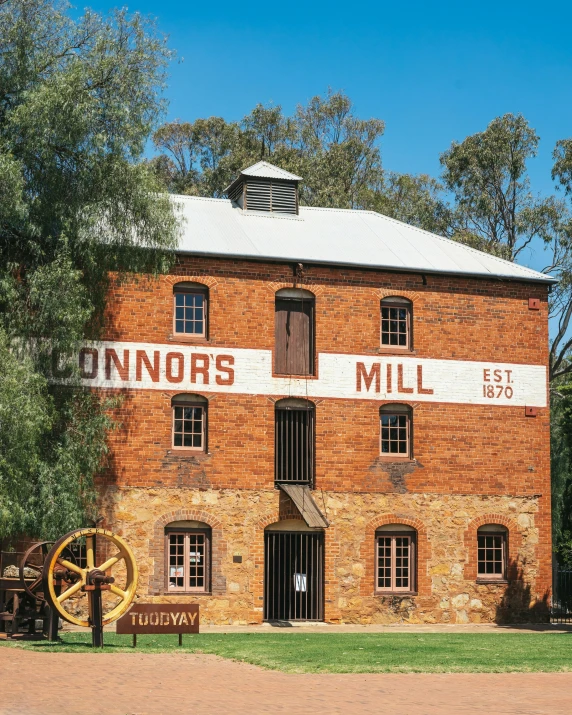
[562, 596]
[293, 576]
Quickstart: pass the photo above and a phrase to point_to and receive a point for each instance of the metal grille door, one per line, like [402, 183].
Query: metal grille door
[293, 576]
[294, 445]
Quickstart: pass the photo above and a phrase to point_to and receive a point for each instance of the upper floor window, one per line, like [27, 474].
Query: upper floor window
[396, 322]
[294, 441]
[396, 431]
[491, 552]
[395, 558]
[188, 555]
[190, 309]
[189, 422]
[294, 326]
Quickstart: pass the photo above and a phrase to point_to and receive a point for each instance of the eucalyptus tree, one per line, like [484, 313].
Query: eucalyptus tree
[336, 152]
[487, 175]
[78, 100]
[418, 200]
[496, 211]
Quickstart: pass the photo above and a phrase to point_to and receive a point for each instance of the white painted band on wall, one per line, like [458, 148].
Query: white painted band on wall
[183, 368]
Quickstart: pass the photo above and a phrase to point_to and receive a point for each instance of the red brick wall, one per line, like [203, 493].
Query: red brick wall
[459, 449]
[464, 319]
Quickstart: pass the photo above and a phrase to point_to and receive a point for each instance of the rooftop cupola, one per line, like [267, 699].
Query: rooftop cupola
[264, 187]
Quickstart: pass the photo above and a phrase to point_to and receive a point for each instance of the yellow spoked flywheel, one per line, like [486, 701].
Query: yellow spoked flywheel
[65, 581]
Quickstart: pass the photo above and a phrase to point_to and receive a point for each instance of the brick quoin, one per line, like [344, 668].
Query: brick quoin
[472, 464]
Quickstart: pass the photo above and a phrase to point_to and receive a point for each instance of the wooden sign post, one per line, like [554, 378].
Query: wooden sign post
[160, 618]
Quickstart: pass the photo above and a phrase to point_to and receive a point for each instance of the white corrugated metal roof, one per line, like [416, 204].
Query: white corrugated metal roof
[336, 236]
[264, 170]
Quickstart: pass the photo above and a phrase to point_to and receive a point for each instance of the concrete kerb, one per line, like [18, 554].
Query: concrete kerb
[320, 627]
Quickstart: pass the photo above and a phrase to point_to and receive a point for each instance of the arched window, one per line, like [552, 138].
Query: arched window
[492, 542]
[188, 556]
[395, 559]
[190, 309]
[189, 422]
[294, 332]
[294, 436]
[396, 429]
[396, 323]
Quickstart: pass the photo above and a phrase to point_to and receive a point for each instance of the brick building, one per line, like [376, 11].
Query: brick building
[329, 415]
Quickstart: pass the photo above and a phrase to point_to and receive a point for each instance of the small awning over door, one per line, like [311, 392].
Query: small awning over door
[304, 501]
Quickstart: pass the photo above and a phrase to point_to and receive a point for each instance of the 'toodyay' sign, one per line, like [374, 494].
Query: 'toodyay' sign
[160, 618]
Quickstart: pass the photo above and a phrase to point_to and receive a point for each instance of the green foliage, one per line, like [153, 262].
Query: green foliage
[562, 169]
[416, 200]
[561, 468]
[78, 102]
[64, 494]
[495, 209]
[24, 395]
[336, 152]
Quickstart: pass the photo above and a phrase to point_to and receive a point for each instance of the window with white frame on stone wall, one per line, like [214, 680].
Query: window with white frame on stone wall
[396, 431]
[189, 422]
[395, 557]
[188, 557]
[396, 323]
[492, 542]
[190, 309]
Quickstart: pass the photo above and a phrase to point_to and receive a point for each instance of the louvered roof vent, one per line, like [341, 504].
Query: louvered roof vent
[264, 187]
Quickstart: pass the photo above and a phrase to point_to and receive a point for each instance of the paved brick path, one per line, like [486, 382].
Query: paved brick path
[177, 684]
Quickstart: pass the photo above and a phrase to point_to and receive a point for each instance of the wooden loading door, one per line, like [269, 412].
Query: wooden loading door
[294, 326]
[293, 576]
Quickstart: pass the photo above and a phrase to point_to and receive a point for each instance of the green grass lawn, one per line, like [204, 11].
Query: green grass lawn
[351, 653]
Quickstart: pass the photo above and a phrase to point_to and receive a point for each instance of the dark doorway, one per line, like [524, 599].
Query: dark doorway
[293, 576]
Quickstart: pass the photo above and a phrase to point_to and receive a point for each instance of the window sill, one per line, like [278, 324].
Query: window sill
[200, 340]
[187, 451]
[396, 593]
[295, 377]
[187, 593]
[390, 458]
[495, 581]
[395, 351]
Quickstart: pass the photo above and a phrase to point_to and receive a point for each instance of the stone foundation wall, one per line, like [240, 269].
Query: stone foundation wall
[447, 590]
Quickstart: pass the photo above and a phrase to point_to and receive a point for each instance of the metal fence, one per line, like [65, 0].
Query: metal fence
[562, 596]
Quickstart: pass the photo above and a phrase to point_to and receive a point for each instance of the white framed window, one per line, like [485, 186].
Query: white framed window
[187, 556]
[396, 431]
[396, 323]
[395, 559]
[492, 552]
[189, 422]
[190, 310]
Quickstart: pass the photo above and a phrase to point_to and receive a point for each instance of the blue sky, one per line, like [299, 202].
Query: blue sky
[433, 72]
